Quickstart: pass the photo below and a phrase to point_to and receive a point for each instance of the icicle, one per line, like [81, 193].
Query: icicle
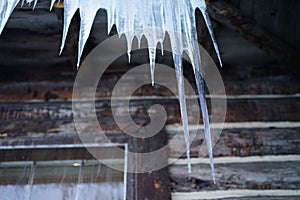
[152, 55]
[162, 48]
[143, 15]
[205, 116]
[34, 5]
[70, 8]
[150, 18]
[6, 8]
[52, 4]
[210, 29]
[30, 181]
[88, 11]
[182, 103]
[129, 45]
[28, 2]
[79, 181]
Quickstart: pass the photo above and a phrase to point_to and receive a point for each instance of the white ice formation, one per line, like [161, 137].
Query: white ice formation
[134, 18]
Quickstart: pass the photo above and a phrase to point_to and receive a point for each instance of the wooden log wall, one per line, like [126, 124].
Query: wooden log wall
[256, 156]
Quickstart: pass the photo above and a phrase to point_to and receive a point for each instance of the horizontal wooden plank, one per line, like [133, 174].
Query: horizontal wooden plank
[239, 194]
[245, 159]
[58, 153]
[236, 125]
[268, 85]
[261, 175]
[266, 198]
[261, 78]
[64, 80]
[232, 141]
[237, 80]
[240, 141]
[238, 110]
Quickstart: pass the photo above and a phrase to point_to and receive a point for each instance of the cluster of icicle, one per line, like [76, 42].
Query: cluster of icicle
[134, 18]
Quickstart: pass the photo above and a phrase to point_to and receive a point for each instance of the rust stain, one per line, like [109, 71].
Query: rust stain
[245, 150]
[3, 135]
[59, 4]
[157, 185]
[255, 186]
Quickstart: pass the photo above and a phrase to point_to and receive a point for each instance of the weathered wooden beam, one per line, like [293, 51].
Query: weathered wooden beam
[62, 88]
[262, 175]
[239, 194]
[152, 184]
[19, 90]
[24, 83]
[56, 152]
[238, 109]
[242, 142]
[232, 142]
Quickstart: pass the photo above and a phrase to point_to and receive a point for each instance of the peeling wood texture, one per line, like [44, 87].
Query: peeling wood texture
[239, 194]
[239, 110]
[263, 176]
[245, 142]
[151, 184]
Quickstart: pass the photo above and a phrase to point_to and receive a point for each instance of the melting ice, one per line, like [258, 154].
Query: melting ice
[134, 18]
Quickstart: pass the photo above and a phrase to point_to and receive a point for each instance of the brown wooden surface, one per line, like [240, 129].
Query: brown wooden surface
[244, 142]
[151, 184]
[263, 175]
[20, 118]
[58, 153]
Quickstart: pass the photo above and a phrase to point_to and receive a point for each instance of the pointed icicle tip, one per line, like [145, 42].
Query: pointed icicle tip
[129, 57]
[162, 48]
[69, 11]
[210, 30]
[52, 4]
[34, 4]
[152, 55]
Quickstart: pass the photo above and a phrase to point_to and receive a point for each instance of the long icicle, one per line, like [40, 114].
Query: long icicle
[183, 107]
[205, 116]
[6, 8]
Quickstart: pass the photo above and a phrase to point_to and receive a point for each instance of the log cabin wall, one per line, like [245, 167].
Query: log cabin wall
[257, 154]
